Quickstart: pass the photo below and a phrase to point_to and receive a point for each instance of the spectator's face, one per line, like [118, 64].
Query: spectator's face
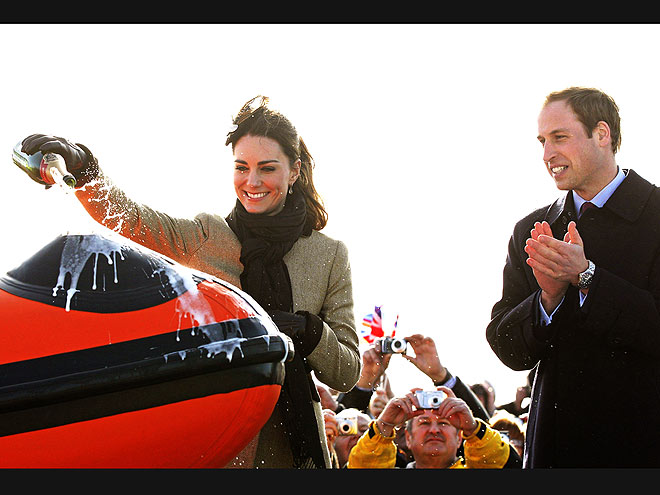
[378, 402]
[344, 443]
[432, 435]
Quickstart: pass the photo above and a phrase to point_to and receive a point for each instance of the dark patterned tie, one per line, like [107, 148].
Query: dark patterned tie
[585, 206]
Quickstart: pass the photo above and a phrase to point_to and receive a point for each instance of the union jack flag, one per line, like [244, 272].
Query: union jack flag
[373, 326]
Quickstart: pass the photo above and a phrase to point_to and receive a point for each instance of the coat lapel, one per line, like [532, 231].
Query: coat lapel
[630, 198]
[628, 202]
[560, 213]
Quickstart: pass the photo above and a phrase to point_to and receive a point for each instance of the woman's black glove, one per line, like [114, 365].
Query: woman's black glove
[304, 329]
[79, 160]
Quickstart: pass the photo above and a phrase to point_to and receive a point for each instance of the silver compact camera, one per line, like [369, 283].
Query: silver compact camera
[391, 345]
[347, 426]
[430, 399]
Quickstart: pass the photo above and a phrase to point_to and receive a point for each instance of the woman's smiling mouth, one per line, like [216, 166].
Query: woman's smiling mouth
[255, 195]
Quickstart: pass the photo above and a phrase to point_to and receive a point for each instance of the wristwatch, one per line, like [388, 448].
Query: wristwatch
[585, 278]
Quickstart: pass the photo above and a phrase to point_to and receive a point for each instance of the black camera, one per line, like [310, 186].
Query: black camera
[391, 345]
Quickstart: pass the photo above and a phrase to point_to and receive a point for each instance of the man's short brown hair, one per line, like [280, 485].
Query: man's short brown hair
[591, 106]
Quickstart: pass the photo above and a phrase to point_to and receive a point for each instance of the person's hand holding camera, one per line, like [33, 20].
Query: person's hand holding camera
[426, 357]
[397, 411]
[457, 412]
[331, 429]
[374, 364]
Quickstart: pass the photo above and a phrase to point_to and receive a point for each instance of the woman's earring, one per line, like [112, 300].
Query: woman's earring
[290, 188]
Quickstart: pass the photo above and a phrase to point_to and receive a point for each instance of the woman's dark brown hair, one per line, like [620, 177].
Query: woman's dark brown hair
[256, 119]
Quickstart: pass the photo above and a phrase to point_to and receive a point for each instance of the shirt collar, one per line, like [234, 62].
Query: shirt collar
[601, 198]
[629, 200]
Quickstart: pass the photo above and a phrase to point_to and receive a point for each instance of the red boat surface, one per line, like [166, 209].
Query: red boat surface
[112, 356]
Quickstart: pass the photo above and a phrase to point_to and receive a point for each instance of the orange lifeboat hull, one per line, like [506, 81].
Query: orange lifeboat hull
[134, 382]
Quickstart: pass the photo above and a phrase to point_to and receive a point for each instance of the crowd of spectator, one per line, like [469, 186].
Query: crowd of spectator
[371, 427]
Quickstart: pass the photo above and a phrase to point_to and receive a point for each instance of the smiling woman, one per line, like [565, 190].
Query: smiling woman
[271, 159]
[263, 175]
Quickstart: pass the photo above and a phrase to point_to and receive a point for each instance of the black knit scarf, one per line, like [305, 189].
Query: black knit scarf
[264, 242]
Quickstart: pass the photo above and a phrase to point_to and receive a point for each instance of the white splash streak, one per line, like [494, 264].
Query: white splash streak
[78, 249]
[227, 346]
[191, 302]
[75, 255]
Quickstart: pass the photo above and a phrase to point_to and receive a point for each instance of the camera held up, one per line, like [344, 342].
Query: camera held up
[348, 425]
[430, 399]
[392, 345]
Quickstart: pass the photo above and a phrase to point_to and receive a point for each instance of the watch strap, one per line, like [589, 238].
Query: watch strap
[585, 278]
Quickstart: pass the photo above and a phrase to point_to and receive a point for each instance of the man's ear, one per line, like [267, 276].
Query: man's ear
[603, 134]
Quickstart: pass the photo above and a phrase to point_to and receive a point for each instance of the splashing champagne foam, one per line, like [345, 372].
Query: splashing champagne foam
[78, 250]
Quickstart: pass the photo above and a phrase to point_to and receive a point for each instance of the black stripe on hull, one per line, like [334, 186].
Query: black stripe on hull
[91, 383]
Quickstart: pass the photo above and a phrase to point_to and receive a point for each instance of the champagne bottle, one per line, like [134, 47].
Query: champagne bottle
[45, 169]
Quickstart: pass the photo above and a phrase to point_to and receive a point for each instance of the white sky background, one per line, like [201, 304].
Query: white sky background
[424, 138]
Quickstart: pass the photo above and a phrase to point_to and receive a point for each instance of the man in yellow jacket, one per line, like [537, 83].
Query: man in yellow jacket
[434, 432]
